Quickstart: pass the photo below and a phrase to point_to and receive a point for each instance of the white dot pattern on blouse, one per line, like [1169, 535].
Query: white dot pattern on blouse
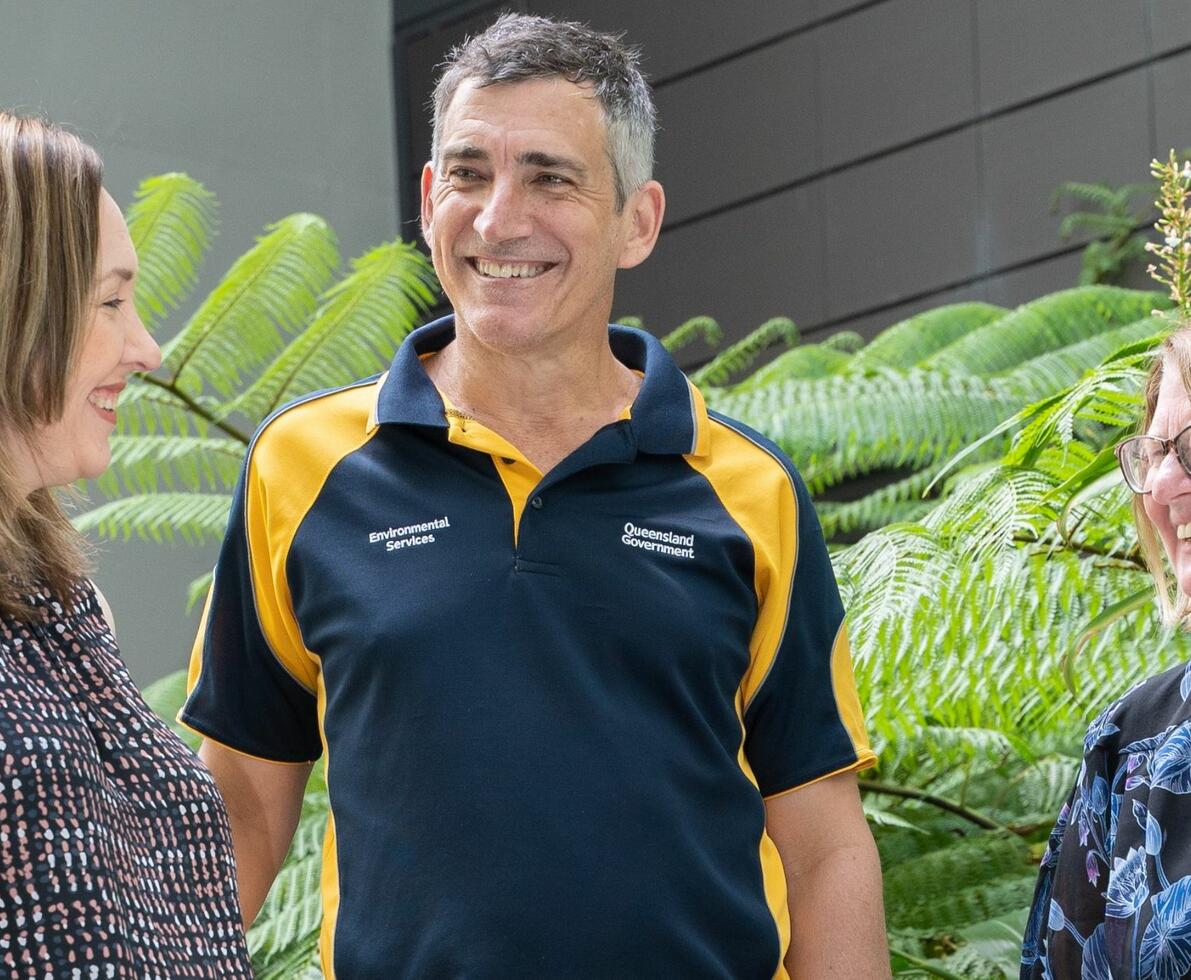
[115, 851]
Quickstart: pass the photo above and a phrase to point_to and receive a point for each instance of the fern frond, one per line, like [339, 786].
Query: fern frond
[803, 361]
[891, 504]
[268, 293]
[1108, 199]
[196, 591]
[148, 409]
[1057, 320]
[847, 341]
[743, 353]
[360, 322]
[696, 328]
[846, 425]
[1059, 368]
[145, 464]
[194, 518]
[171, 221]
[994, 510]
[911, 341]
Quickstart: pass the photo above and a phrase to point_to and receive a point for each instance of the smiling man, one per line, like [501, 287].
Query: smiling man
[570, 642]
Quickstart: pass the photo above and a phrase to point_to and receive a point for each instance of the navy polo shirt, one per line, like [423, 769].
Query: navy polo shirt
[551, 705]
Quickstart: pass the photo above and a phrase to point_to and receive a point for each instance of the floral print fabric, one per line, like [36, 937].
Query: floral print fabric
[1114, 891]
[115, 850]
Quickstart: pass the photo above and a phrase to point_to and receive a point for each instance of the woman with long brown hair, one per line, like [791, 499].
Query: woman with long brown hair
[115, 852]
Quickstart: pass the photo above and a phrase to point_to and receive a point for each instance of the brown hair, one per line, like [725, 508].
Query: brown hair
[1176, 605]
[50, 184]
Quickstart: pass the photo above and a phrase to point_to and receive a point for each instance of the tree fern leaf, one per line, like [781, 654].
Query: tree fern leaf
[1054, 321]
[268, 293]
[171, 221]
[907, 343]
[193, 518]
[148, 409]
[360, 322]
[146, 464]
[743, 353]
[846, 341]
[803, 361]
[196, 591]
[696, 328]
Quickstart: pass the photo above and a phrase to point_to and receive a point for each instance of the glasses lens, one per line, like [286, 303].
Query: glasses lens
[1182, 449]
[1138, 457]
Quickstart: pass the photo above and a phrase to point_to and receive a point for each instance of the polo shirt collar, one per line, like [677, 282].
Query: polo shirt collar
[667, 417]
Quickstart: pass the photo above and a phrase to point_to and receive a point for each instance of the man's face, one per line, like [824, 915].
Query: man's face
[521, 214]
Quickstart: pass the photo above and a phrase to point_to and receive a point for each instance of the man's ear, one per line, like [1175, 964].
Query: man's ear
[427, 203]
[644, 211]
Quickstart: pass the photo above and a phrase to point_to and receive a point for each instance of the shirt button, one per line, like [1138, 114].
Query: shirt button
[536, 503]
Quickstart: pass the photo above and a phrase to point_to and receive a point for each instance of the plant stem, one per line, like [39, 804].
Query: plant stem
[196, 408]
[907, 793]
[934, 971]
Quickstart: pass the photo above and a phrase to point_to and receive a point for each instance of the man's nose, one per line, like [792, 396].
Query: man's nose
[505, 215]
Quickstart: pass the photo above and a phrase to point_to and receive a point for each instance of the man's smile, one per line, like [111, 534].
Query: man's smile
[491, 269]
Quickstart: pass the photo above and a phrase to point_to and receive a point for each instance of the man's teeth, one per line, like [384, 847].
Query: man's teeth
[103, 399]
[510, 270]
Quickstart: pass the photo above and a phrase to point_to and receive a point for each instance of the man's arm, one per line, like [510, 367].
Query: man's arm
[264, 801]
[833, 877]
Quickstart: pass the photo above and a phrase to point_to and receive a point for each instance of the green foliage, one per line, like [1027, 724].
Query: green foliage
[907, 343]
[1113, 225]
[171, 221]
[744, 352]
[278, 325]
[696, 328]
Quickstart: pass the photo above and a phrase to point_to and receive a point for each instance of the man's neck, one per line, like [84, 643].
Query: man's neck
[546, 403]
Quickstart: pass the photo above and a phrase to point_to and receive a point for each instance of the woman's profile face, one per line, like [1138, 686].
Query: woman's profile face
[1168, 504]
[115, 343]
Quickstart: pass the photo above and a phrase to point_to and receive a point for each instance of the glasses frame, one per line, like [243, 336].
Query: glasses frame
[1167, 446]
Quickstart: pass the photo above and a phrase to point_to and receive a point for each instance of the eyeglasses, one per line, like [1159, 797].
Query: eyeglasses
[1142, 455]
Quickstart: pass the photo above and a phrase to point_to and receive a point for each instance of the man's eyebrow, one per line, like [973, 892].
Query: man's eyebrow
[539, 158]
[464, 151]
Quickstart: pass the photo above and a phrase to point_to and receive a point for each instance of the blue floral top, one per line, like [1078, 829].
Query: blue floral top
[1114, 890]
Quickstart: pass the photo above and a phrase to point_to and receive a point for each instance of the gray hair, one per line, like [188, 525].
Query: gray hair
[518, 47]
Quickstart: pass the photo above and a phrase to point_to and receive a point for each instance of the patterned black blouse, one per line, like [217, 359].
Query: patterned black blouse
[115, 851]
[1114, 891]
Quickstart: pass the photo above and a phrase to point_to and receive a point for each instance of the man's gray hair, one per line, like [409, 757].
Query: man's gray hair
[518, 47]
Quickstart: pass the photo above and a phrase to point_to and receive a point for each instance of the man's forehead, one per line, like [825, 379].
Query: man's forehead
[540, 95]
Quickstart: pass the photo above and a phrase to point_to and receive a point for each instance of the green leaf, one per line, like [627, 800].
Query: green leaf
[267, 294]
[359, 323]
[193, 518]
[171, 221]
[696, 328]
[743, 353]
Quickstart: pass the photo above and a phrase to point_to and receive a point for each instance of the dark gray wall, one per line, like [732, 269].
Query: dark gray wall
[276, 105]
[847, 163]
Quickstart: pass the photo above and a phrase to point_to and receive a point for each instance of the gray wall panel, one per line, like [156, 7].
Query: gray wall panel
[1170, 24]
[741, 267]
[903, 219]
[745, 126]
[877, 94]
[1028, 48]
[1027, 154]
[277, 105]
[1172, 104]
[675, 37]
[1022, 285]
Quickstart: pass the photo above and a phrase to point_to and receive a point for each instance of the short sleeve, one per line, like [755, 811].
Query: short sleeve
[251, 682]
[803, 719]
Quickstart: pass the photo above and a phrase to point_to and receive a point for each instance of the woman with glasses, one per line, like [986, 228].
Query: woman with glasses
[1114, 891]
